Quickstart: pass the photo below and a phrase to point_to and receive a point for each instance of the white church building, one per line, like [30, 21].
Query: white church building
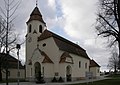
[52, 56]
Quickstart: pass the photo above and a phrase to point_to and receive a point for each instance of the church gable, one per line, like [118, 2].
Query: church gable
[66, 58]
[38, 54]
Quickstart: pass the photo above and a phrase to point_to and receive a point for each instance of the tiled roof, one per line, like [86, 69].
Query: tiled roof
[93, 64]
[36, 15]
[46, 59]
[12, 62]
[64, 44]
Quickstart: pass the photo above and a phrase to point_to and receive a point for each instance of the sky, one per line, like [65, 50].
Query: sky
[71, 19]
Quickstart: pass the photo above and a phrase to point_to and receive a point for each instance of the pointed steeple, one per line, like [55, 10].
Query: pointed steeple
[36, 15]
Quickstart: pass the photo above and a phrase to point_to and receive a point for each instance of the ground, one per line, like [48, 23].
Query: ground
[101, 81]
[64, 83]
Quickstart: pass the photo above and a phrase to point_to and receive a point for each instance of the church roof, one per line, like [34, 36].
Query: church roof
[36, 15]
[46, 59]
[12, 62]
[64, 44]
[93, 64]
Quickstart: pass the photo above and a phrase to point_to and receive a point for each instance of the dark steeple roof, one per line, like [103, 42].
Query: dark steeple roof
[36, 15]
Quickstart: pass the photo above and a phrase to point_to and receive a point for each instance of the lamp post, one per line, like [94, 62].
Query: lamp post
[18, 48]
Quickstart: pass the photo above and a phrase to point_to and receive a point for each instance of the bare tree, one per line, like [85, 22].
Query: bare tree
[8, 37]
[108, 22]
[113, 61]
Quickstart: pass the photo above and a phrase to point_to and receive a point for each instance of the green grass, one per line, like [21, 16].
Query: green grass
[102, 82]
[13, 80]
[114, 80]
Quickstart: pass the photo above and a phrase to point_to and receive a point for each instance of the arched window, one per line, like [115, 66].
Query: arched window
[86, 65]
[79, 64]
[30, 28]
[40, 28]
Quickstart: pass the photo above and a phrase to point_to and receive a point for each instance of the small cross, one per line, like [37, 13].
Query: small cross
[36, 3]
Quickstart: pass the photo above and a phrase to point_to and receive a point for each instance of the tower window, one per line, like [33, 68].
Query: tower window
[86, 65]
[30, 28]
[79, 64]
[40, 28]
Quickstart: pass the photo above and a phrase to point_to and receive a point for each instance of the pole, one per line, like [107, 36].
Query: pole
[18, 67]
[18, 75]
[7, 40]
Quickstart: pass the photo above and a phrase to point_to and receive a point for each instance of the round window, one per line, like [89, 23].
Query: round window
[44, 44]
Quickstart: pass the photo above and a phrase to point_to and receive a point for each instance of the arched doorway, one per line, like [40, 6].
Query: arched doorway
[37, 70]
[68, 73]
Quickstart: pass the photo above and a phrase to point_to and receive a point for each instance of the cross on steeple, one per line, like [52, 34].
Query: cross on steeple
[36, 3]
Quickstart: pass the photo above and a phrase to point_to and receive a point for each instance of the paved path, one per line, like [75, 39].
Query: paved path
[75, 82]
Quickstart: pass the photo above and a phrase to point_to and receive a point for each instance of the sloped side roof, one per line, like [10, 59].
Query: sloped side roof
[36, 15]
[64, 56]
[64, 44]
[93, 64]
[12, 62]
[46, 57]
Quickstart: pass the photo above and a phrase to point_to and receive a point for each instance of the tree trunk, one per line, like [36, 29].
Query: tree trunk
[0, 74]
[119, 54]
[115, 69]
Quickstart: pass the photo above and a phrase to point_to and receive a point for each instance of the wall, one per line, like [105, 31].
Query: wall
[13, 74]
[31, 46]
[77, 73]
[95, 71]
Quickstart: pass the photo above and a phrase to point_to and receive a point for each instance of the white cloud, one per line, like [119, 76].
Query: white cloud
[79, 17]
[51, 3]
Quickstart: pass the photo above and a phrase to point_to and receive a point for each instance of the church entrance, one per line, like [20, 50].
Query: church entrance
[37, 70]
[68, 73]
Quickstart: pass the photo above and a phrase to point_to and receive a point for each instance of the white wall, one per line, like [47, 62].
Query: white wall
[95, 71]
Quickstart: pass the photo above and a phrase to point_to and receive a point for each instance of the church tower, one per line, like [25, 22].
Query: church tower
[35, 23]
[35, 27]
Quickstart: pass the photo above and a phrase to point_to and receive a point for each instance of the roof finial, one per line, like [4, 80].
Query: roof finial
[36, 3]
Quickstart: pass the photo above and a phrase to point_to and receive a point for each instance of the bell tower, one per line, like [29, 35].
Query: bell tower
[35, 27]
[35, 22]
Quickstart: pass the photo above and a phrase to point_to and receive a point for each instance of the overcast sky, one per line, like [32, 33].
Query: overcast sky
[71, 19]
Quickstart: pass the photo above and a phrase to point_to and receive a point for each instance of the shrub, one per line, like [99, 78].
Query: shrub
[54, 79]
[60, 79]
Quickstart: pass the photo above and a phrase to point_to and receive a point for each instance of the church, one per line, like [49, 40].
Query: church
[51, 56]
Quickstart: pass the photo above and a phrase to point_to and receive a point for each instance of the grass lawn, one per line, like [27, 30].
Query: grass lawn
[113, 81]
[13, 80]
